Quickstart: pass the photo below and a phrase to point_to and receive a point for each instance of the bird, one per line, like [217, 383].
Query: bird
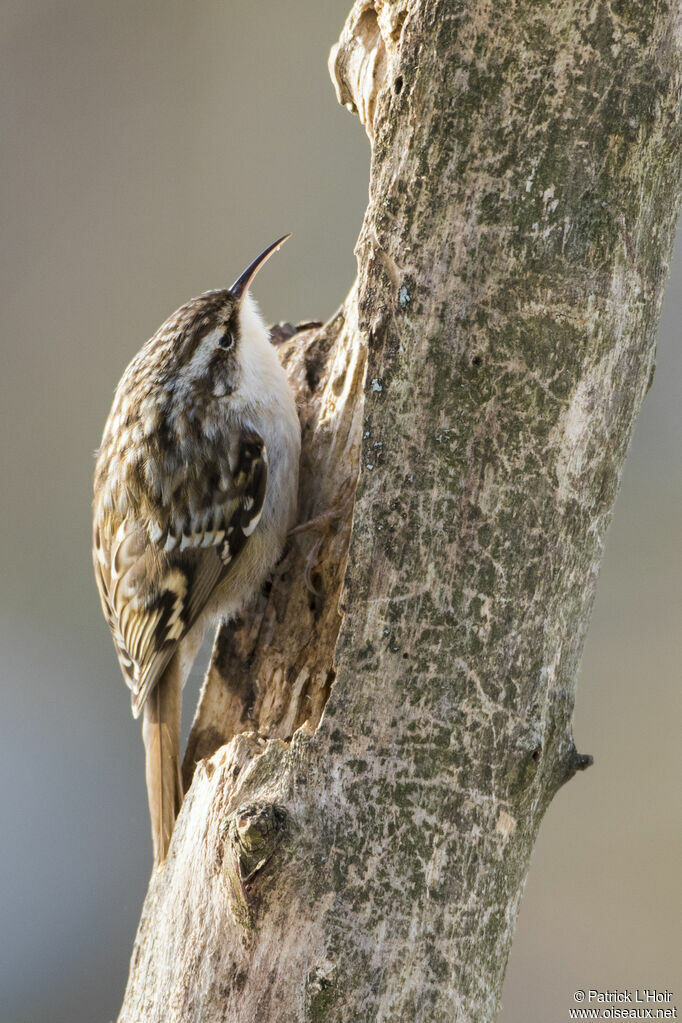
[195, 490]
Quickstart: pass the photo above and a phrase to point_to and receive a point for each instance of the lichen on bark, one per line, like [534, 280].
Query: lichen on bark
[484, 375]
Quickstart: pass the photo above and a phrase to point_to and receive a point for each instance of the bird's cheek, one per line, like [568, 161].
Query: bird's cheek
[224, 381]
[222, 387]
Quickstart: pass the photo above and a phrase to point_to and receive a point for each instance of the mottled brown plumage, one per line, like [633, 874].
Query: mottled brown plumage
[195, 489]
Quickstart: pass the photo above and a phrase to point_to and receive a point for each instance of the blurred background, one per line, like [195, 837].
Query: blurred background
[149, 151]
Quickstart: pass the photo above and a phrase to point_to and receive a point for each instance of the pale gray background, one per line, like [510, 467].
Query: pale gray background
[148, 151]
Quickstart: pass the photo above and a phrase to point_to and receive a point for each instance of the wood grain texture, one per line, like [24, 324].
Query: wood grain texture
[372, 773]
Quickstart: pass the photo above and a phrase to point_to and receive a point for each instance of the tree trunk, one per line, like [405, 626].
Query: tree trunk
[377, 743]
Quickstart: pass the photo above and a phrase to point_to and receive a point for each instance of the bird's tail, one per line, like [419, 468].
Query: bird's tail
[161, 735]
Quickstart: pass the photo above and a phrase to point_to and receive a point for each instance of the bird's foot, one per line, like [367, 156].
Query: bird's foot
[323, 523]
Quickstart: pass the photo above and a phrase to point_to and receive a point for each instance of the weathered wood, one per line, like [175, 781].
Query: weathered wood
[372, 774]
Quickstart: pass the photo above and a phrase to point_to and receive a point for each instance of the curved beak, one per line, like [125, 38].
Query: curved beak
[241, 285]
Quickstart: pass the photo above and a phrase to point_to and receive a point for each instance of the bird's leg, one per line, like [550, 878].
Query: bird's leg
[344, 501]
[323, 523]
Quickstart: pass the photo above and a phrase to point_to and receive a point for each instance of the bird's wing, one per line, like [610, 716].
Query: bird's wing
[153, 585]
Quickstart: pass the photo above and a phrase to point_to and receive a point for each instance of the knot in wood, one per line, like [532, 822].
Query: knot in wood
[255, 831]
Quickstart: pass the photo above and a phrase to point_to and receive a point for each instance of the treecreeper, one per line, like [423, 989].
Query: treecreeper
[195, 489]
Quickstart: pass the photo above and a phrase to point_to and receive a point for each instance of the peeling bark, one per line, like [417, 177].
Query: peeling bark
[374, 751]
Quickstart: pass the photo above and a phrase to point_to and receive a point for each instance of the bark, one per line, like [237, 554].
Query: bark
[375, 750]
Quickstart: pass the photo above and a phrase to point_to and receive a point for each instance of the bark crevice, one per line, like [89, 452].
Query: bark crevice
[272, 671]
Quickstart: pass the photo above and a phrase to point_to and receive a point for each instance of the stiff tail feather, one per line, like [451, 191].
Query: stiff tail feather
[161, 735]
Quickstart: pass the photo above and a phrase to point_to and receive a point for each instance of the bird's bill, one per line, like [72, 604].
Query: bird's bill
[241, 285]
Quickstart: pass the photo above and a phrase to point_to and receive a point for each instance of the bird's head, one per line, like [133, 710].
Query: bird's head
[204, 351]
[209, 362]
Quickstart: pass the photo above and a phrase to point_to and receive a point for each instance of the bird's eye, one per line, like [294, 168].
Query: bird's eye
[226, 340]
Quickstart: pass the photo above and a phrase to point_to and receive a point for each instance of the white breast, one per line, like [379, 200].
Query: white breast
[264, 403]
